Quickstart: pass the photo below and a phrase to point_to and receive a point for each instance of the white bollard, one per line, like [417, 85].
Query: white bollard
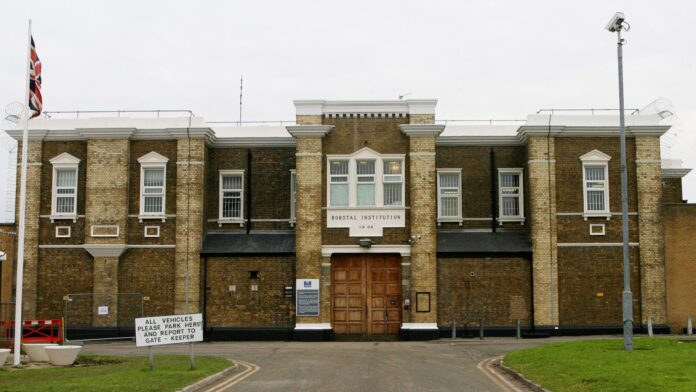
[689, 327]
[650, 329]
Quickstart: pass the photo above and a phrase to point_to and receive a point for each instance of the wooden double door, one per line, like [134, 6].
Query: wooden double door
[366, 294]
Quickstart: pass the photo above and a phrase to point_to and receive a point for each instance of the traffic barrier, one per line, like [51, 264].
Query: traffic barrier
[36, 331]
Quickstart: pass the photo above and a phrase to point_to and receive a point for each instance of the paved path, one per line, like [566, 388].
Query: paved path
[440, 365]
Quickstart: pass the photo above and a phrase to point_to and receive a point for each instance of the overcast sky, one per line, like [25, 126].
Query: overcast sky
[500, 60]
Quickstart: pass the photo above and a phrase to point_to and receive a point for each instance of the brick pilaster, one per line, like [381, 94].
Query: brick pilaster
[105, 291]
[106, 204]
[423, 203]
[31, 231]
[652, 258]
[189, 223]
[309, 180]
[542, 195]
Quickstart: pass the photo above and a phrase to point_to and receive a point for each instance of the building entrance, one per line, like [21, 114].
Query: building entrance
[366, 294]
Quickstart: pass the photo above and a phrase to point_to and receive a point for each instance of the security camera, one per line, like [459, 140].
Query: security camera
[615, 22]
[3, 256]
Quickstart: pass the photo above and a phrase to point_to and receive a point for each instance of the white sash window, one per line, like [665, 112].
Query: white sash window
[64, 187]
[595, 184]
[153, 186]
[510, 195]
[449, 185]
[231, 195]
[393, 182]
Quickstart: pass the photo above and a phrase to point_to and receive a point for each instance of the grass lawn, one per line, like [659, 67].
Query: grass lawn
[93, 373]
[602, 365]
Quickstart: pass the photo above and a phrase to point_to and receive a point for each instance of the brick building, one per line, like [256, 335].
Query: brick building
[365, 218]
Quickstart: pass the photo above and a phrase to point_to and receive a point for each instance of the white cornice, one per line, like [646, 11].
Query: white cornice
[589, 131]
[478, 141]
[422, 129]
[240, 142]
[309, 130]
[33, 134]
[408, 106]
[675, 172]
[106, 133]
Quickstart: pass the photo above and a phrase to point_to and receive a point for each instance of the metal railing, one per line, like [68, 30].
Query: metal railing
[116, 113]
[591, 110]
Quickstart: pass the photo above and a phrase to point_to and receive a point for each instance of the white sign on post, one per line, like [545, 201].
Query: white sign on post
[156, 331]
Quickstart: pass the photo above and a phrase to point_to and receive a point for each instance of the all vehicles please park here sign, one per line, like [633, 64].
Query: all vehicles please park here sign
[181, 328]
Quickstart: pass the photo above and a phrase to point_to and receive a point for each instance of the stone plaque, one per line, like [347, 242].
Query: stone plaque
[365, 222]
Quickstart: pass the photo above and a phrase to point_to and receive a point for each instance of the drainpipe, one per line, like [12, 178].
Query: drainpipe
[494, 193]
[248, 193]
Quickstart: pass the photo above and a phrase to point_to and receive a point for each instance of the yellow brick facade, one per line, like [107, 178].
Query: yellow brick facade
[652, 256]
[542, 194]
[189, 223]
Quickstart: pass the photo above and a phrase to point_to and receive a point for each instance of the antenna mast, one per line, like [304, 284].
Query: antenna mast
[241, 84]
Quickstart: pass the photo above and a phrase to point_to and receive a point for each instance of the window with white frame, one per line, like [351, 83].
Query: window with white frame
[338, 182]
[449, 201]
[365, 179]
[293, 195]
[366, 182]
[595, 183]
[393, 182]
[510, 195]
[64, 186]
[231, 195]
[153, 185]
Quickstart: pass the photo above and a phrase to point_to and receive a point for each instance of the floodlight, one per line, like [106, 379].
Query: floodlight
[615, 22]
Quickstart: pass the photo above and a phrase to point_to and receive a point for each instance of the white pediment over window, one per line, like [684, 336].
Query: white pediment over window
[364, 152]
[595, 156]
[152, 158]
[65, 159]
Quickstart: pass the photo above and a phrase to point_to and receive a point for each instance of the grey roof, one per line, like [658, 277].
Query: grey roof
[499, 242]
[230, 244]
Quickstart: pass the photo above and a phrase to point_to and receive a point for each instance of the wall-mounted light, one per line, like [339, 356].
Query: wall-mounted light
[254, 287]
[414, 238]
[365, 243]
[3, 256]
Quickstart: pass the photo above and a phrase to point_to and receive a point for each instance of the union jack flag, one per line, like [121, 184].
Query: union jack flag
[35, 100]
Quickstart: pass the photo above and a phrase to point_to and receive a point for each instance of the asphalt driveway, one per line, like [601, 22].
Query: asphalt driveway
[441, 365]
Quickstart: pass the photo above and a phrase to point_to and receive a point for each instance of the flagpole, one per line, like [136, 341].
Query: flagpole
[26, 115]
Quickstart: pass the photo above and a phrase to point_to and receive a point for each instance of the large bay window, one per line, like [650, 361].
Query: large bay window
[64, 187]
[231, 196]
[449, 202]
[595, 184]
[510, 195]
[365, 179]
[153, 185]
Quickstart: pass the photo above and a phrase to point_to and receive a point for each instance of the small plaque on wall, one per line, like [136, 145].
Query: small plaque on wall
[423, 302]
